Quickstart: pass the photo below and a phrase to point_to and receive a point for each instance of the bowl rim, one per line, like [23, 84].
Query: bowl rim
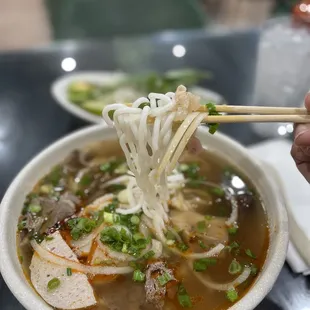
[28, 297]
[97, 77]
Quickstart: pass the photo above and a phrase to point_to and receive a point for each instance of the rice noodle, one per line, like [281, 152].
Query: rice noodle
[61, 261]
[204, 279]
[213, 252]
[148, 148]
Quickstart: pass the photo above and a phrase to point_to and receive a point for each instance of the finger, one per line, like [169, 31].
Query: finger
[301, 157]
[302, 135]
[304, 169]
[307, 102]
[300, 154]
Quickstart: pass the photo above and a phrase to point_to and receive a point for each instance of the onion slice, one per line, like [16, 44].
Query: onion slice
[225, 286]
[61, 261]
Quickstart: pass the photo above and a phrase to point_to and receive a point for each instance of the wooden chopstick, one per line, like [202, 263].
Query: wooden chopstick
[259, 110]
[257, 118]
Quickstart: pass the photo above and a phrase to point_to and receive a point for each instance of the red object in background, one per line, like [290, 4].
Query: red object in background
[301, 13]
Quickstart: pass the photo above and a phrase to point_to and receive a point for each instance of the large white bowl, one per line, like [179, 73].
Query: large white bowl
[59, 91]
[219, 144]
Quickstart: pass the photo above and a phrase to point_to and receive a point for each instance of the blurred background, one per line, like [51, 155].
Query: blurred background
[25, 24]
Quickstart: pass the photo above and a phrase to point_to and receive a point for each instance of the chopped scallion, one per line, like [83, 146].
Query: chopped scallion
[234, 267]
[144, 104]
[111, 114]
[108, 217]
[182, 246]
[53, 284]
[254, 269]
[34, 208]
[218, 191]
[201, 226]
[69, 272]
[208, 217]
[135, 220]
[233, 230]
[49, 238]
[183, 297]
[138, 276]
[249, 253]
[232, 295]
[202, 245]
[149, 254]
[203, 263]
[164, 278]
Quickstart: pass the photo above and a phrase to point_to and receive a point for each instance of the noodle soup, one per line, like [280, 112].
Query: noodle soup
[79, 248]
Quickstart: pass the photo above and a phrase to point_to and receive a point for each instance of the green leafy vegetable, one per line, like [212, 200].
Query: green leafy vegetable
[234, 267]
[53, 284]
[183, 297]
[138, 276]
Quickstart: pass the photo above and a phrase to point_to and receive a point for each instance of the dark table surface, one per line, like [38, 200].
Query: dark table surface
[30, 119]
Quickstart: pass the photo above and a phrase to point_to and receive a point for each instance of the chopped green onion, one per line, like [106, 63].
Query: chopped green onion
[69, 272]
[218, 191]
[22, 225]
[249, 253]
[108, 217]
[203, 263]
[46, 188]
[125, 248]
[201, 226]
[234, 267]
[254, 269]
[232, 295]
[212, 111]
[164, 278]
[80, 226]
[232, 246]
[208, 217]
[85, 180]
[138, 236]
[135, 220]
[182, 246]
[21, 258]
[49, 238]
[53, 284]
[202, 245]
[199, 266]
[144, 104]
[34, 208]
[232, 230]
[183, 297]
[111, 114]
[138, 276]
[149, 254]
